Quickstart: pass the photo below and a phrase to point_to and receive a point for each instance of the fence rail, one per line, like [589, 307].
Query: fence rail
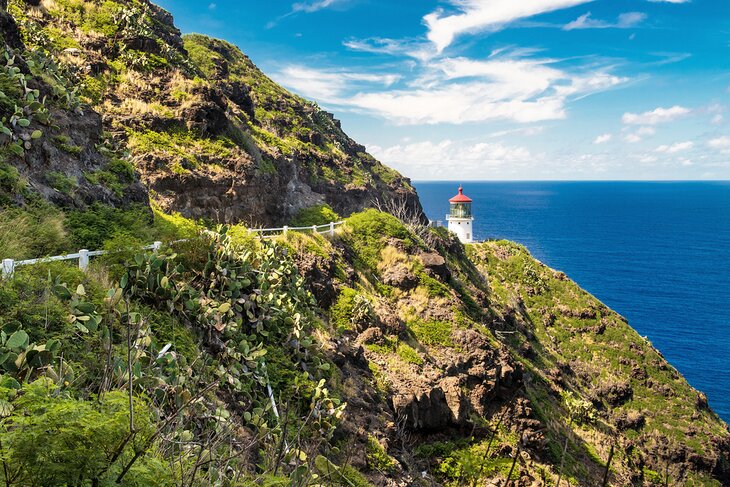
[9, 265]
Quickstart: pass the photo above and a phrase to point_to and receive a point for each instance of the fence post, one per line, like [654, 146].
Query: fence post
[332, 229]
[83, 259]
[156, 246]
[8, 267]
[285, 229]
[314, 229]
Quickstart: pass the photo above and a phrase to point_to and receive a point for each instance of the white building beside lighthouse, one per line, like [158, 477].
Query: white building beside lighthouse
[460, 217]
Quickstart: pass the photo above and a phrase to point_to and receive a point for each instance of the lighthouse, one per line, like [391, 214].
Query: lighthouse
[460, 217]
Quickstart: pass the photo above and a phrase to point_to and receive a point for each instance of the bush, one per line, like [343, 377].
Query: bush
[315, 215]
[377, 457]
[369, 231]
[37, 231]
[27, 299]
[90, 228]
[351, 311]
[173, 226]
[51, 438]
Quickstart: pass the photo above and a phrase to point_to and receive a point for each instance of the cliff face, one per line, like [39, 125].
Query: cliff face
[396, 355]
[480, 354]
[205, 131]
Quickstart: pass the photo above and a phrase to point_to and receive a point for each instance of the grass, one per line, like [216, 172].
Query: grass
[408, 354]
[369, 231]
[432, 333]
[183, 148]
[60, 182]
[314, 215]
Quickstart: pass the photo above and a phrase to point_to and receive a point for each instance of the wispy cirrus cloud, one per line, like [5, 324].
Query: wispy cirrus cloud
[456, 90]
[624, 21]
[329, 86]
[656, 116]
[472, 16]
[314, 5]
[306, 7]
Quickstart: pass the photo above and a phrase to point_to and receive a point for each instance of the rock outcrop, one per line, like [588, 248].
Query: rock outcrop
[208, 133]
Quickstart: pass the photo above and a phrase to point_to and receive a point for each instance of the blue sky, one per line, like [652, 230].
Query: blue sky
[502, 89]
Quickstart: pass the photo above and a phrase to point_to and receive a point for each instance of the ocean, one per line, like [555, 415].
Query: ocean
[656, 252]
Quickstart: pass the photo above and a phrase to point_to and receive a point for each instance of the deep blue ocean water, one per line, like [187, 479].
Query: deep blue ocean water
[656, 252]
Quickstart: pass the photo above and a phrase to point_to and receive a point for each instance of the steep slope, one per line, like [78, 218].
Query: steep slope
[211, 136]
[395, 356]
[482, 351]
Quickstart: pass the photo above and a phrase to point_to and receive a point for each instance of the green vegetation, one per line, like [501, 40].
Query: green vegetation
[61, 182]
[351, 311]
[369, 231]
[378, 458]
[51, 438]
[314, 215]
[408, 354]
[186, 150]
[434, 333]
[36, 231]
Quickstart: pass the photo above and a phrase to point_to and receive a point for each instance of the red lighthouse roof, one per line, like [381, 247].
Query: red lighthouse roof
[461, 197]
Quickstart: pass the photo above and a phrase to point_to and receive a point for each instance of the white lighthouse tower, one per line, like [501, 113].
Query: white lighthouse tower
[460, 217]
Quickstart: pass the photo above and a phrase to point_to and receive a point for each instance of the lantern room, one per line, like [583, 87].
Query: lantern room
[460, 217]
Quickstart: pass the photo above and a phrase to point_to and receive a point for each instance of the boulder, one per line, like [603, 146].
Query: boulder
[400, 276]
[435, 264]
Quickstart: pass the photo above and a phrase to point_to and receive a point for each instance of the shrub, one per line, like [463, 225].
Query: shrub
[315, 215]
[33, 232]
[51, 438]
[351, 310]
[90, 228]
[60, 182]
[377, 457]
[241, 238]
[369, 231]
[173, 226]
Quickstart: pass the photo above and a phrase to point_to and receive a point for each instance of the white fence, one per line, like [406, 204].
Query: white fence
[83, 255]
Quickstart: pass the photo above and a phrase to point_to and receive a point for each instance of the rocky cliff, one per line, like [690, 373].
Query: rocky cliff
[387, 354]
[119, 97]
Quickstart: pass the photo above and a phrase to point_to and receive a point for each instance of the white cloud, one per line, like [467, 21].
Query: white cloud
[420, 50]
[602, 139]
[646, 131]
[449, 158]
[456, 90]
[212, 6]
[624, 21]
[639, 134]
[717, 119]
[313, 6]
[526, 131]
[669, 1]
[720, 143]
[656, 116]
[474, 16]
[674, 148]
[328, 86]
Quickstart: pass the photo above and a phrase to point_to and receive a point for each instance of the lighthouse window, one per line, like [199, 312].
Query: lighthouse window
[468, 236]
